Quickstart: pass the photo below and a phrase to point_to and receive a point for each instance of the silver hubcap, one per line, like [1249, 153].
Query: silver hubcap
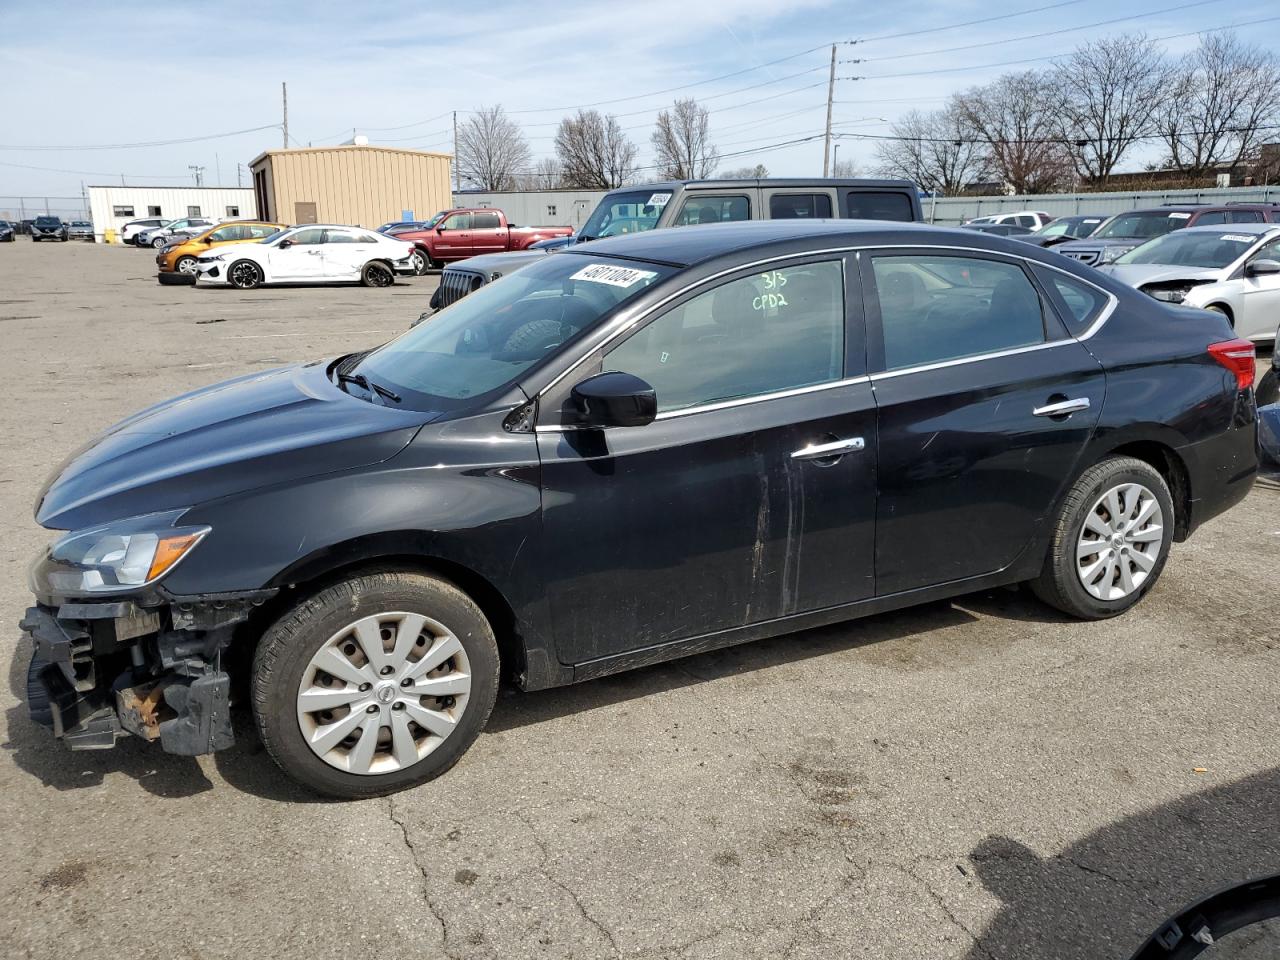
[383, 693]
[187, 265]
[1120, 542]
[419, 265]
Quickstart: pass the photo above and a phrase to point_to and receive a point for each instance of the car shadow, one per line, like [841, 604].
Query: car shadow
[1105, 894]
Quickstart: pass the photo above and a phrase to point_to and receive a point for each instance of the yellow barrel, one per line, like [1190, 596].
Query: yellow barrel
[109, 236]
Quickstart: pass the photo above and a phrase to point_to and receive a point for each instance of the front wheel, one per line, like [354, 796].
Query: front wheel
[186, 264]
[375, 684]
[419, 263]
[244, 274]
[1110, 540]
[377, 274]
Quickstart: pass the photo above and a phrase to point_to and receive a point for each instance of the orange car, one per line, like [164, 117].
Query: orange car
[177, 260]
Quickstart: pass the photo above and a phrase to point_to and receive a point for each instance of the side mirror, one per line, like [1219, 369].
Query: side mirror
[1261, 268]
[285, 244]
[615, 399]
[439, 229]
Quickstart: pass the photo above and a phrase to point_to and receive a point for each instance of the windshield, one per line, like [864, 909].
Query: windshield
[625, 213]
[491, 337]
[1142, 225]
[47, 221]
[1193, 248]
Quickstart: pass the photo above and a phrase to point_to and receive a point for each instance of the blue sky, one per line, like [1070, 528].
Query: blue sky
[108, 73]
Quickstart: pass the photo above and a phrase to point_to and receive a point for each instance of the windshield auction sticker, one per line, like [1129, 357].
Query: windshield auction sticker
[613, 276]
[1238, 237]
[658, 200]
[1179, 216]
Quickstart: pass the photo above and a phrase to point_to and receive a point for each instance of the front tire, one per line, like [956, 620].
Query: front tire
[1110, 540]
[419, 263]
[186, 264]
[377, 274]
[244, 275]
[375, 684]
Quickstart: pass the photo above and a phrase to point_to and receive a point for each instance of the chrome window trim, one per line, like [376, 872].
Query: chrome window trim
[627, 325]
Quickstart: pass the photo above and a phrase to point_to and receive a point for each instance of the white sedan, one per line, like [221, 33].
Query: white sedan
[315, 253]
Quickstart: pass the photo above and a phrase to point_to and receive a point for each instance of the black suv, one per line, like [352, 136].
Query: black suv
[48, 228]
[682, 203]
[1125, 231]
[634, 450]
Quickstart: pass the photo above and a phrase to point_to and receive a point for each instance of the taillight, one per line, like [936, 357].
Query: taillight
[1238, 357]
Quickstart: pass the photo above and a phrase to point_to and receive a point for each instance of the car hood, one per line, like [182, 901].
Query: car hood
[262, 429]
[1140, 274]
[502, 263]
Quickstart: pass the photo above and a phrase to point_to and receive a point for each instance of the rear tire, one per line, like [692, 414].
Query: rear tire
[288, 674]
[1110, 540]
[377, 274]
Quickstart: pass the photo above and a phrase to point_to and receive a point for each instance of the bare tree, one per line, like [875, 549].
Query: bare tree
[937, 150]
[758, 172]
[594, 152]
[1108, 94]
[1015, 122]
[491, 149]
[546, 174]
[1220, 103]
[845, 169]
[682, 143]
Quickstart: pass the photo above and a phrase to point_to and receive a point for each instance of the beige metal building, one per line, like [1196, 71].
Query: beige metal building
[357, 184]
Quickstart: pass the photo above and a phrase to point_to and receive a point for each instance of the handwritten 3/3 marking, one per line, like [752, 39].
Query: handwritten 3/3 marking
[774, 280]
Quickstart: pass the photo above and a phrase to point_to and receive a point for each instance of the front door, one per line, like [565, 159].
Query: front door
[985, 406]
[1261, 296]
[453, 237]
[751, 497]
[302, 259]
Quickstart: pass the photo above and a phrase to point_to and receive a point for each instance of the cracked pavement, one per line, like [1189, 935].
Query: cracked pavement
[977, 779]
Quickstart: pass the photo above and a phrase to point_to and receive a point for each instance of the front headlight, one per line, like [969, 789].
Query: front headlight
[114, 558]
[1112, 254]
[210, 257]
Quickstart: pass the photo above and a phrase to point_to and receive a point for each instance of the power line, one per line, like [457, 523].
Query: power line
[96, 173]
[967, 23]
[130, 146]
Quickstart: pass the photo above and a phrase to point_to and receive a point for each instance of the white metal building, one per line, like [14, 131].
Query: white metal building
[110, 208]
[538, 208]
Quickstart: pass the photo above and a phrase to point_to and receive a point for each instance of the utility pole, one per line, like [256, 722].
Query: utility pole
[835, 160]
[831, 94]
[457, 183]
[238, 181]
[284, 99]
[217, 166]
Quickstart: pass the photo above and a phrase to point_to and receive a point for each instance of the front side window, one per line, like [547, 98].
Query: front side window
[709, 208]
[935, 308]
[491, 337]
[223, 234]
[756, 335]
[459, 221]
[256, 231]
[485, 221]
[620, 213]
[874, 205]
[306, 238]
[799, 206]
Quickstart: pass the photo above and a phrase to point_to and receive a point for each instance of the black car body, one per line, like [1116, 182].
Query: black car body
[1125, 231]
[682, 203]
[7, 232]
[634, 450]
[48, 228]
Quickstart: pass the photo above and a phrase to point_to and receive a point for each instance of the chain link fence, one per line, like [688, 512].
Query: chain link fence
[18, 209]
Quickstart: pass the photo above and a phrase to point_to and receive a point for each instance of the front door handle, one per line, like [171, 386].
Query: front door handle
[1062, 408]
[818, 451]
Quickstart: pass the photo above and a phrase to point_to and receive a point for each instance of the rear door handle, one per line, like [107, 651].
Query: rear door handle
[1062, 408]
[817, 451]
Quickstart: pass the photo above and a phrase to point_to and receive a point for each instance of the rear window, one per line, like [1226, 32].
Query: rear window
[713, 208]
[485, 221]
[799, 206]
[874, 205]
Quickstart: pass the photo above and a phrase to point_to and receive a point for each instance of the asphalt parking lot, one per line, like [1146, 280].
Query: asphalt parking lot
[980, 778]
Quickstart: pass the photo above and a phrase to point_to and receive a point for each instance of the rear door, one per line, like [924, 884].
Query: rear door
[749, 498]
[346, 252]
[1261, 296]
[488, 235]
[985, 406]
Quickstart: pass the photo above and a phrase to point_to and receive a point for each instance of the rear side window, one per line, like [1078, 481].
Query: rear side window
[936, 308]
[799, 206]
[873, 205]
[1246, 216]
[713, 208]
[1083, 302]
[1026, 220]
[485, 221]
[1210, 218]
[758, 334]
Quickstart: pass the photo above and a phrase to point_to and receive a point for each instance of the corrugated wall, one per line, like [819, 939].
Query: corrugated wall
[172, 201]
[538, 208]
[952, 210]
[364, 186]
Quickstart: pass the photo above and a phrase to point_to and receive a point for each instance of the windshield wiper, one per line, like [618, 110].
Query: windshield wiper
[360, 380]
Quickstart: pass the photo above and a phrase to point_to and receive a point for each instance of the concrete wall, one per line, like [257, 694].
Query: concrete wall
[537, 208]
[173, 202]
[359, 185]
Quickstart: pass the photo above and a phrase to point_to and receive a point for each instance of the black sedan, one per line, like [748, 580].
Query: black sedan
[637, 449]
[7, 232]
[48, 228]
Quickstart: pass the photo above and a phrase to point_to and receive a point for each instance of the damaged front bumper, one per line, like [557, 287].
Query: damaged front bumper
[101, 671]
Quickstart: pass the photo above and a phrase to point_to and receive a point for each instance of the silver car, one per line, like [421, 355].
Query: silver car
[1233, 269]
[184, 229]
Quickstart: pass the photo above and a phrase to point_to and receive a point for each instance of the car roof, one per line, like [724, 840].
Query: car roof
[1258, 228]
[770, 182]
[686, 246]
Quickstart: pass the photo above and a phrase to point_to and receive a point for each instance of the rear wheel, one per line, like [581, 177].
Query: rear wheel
[377, 274]
[157, 242]
[375, 684]
[1110, 540]
[244, 274]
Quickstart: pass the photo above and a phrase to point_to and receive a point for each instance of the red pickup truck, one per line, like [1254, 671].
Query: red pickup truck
[461, 233]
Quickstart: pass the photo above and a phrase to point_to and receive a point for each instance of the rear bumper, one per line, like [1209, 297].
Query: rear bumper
[1221, 469]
